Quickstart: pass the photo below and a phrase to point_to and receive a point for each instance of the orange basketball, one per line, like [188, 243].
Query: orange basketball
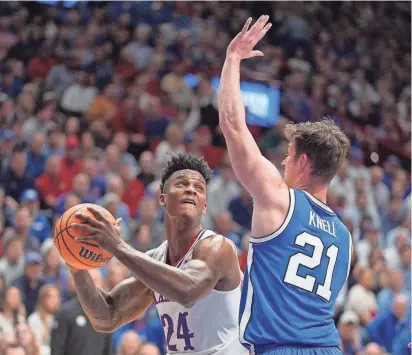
[79, 255]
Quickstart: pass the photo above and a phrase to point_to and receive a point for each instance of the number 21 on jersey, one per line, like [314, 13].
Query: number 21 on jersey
[308, 282]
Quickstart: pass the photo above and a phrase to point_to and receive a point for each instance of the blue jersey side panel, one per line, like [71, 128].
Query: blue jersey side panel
[286, 297]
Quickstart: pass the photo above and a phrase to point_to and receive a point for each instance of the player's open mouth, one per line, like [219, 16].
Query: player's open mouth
[189, 200]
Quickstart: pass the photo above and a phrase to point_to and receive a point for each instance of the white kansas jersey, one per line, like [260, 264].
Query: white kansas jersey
[210, 326]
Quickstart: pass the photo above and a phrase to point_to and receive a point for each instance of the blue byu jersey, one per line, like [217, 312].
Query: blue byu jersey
[293, 278]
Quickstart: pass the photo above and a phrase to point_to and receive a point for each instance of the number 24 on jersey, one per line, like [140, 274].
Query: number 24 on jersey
[181, 329]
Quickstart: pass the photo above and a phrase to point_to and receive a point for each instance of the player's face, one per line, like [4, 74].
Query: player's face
[291, 166]
[185, 194]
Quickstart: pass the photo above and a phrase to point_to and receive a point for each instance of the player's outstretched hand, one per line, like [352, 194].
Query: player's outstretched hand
[107, 235]
[242, 45]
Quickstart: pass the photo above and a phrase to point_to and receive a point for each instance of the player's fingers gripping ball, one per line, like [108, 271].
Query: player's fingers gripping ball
[77, 254]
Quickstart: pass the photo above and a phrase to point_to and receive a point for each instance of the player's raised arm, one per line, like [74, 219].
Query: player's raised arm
[108, 311]
[258, 175]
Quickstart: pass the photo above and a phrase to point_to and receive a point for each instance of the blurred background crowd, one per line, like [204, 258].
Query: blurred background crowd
[94, 100]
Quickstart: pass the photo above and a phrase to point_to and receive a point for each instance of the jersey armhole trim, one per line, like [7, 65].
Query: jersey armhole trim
[350, 256]
[283, 225]
[189, 252]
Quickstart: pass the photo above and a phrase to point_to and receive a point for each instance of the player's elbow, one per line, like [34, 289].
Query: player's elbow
[106, 326]
[186, 298]
[188, 304]
[228, 123]
[100, 328]
[195, 290]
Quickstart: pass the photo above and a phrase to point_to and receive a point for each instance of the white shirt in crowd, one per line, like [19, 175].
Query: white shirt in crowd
[78, 98]
[220, 193]
[361, 300]
[165, 151]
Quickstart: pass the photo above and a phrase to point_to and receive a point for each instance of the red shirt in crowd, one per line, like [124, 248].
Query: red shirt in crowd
[68, 170]
[243, 260]
[38, 68]
[49, 186]
[131, 124]
[213, 156]
[132, 195]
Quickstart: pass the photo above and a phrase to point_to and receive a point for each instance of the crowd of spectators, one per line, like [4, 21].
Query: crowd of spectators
[93, 100]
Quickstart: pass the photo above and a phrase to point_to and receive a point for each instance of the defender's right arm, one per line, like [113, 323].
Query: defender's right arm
[108, 311]
[257, 174]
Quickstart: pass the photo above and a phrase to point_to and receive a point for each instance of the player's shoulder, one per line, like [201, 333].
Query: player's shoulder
[213, 238]
[216, 244]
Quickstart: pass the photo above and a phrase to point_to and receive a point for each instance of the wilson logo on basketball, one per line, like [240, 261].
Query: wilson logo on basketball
[89, 255]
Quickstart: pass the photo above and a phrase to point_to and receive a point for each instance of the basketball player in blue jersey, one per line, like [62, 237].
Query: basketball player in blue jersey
[299, 252]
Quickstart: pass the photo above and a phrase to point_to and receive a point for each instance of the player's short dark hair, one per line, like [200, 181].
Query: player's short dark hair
[184, 161]
[325, 144]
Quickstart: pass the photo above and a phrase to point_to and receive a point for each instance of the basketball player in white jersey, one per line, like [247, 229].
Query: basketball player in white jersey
[193, 277]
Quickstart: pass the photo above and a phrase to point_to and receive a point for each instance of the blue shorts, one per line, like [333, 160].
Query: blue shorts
[300, 351]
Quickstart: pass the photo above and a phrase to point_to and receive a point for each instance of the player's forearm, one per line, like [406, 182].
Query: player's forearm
[95, 302]
[173, 283]
[243, 150]
[231, 109]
